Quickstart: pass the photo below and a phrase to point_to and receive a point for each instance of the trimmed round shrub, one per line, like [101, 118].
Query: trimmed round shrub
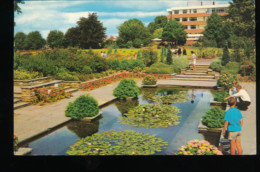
[214, 117]
[84, 106]
[149, 80]
[126, 88]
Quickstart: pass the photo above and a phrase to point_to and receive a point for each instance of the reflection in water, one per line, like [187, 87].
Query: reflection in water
[148, 93]
[83, 128]
[125, 105]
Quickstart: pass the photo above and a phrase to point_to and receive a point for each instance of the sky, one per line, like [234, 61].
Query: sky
[47, 15]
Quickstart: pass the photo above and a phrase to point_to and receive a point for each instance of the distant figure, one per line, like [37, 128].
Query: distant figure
[105, 55]
[173, 51]
[102, 55]
[193, 60]
[179, 51]
[184, 53]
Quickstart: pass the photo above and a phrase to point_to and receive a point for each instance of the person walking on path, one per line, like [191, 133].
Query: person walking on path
[179, 51]
[184, 53]
[193, 60]
[233, 124]
[244, 99]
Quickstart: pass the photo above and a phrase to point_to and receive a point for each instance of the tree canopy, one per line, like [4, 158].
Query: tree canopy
[19, 41]
[242, 15]
[133, 32]
[173, 31]
[55, 38]
[159, 22]
[34, 40]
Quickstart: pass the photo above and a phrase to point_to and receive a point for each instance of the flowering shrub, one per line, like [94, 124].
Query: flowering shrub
[42, 95]
[108, 80]
[226, 80]
[15, 142]
[196, 147]
[149, 80]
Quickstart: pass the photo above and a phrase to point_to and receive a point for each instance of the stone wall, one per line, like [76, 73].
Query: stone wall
[73, 84]
[32, 81]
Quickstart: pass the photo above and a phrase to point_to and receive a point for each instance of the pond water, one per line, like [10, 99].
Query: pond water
[57, 142]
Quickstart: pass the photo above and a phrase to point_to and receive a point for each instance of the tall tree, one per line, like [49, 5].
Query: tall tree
[92, 32]
[242, 15]
[19, 41]
[173, 31]
[16, 6]
[213, 29]
[133, 31]
[55, 38]
[72, 37]
[160, 21]
[158, 33]
[34, 40]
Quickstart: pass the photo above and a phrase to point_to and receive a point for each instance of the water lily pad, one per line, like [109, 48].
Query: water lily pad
[151, 116]
[111, 142]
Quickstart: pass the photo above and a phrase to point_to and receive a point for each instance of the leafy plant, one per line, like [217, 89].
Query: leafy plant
[231, 67]
[180, 63]
[126, 142]
[214, 117]
[219, 96]
[196, 147]
[15, 141]
[24, 75]
[160, 68]
[216, 65]
[126, 88]
[149, 80]
[151, 116]
[67, 76]
[83, 106]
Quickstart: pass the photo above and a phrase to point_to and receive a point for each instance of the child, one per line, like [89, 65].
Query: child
[193, 60]
[233, 123]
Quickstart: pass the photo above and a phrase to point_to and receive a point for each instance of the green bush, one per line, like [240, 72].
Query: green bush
[126, 88]
[67, 76]
[180, 63]
[247, 68]
[124, 65]
[84, 106]
[149, 80]
[86, 70]
[226, 80]
[231, 67]
[219, 96]
[160, 68]
[136, 63]
[137, 69]
[25, 75]
[214, 117]
[216, 65]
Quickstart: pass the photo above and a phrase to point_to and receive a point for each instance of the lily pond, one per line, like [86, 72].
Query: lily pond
[191, 110]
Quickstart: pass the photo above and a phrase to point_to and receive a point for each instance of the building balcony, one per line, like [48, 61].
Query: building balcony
[193, 15]
[194, 22]
[194, 30]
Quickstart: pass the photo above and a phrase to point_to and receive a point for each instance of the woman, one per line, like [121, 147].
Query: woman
[193, 60]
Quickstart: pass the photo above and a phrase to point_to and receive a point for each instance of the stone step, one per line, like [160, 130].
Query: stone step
[21, 105]
[72, 90]
[194, 79]
[195, 76]
[17, 96]
[67, 87]
[17, 100]
[200, 65]
[195, 73]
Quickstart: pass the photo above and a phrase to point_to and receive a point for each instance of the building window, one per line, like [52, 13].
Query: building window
[193, 27]
[184, 19]
[193, 19]
[186, 26]
[177, 19]
[194, 10]
[176, 11]
[184, 11]
[170, 12]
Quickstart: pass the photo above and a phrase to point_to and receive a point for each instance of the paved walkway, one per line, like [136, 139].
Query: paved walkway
[248, 139]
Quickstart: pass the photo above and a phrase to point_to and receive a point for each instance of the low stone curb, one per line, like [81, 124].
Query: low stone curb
[149, 86]
[89, 119]
[23, 151]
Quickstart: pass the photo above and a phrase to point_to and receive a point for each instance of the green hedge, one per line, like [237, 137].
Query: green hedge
[160, 68]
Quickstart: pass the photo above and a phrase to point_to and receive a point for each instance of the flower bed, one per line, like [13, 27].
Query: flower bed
[108, 80]
[196, 147]
[43, 95]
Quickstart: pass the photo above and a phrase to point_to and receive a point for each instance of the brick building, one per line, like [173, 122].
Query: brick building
[194, 17]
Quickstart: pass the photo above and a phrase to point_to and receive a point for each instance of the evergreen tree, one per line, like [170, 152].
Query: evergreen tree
[226, 56]
[169, 55]
[162, 55]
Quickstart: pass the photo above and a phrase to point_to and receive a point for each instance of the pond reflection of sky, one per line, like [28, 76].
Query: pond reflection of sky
[58, 141]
